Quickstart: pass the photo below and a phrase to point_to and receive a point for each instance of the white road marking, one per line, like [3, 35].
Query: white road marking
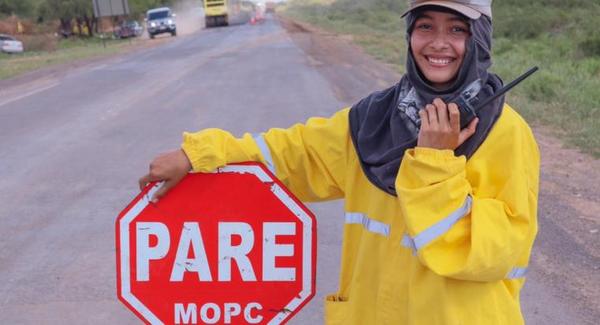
[100, 67]
[27, 94]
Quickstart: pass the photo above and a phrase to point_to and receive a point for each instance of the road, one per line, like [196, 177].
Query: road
[73, 145]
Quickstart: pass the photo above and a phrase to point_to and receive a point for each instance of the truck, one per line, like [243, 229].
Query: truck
[226, 12]
[216, 12]
[270, 6]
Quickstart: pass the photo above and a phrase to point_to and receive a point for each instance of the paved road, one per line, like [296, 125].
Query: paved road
[73, 146]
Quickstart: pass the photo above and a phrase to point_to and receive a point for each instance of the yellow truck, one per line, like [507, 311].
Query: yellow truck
[216, 13]
[224, 12]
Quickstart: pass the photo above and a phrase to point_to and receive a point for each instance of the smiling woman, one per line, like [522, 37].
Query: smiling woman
[439, 220]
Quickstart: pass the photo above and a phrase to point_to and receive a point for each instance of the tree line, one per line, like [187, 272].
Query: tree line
[70, 13]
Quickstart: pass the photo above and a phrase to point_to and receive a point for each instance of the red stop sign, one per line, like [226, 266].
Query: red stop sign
[230, 247]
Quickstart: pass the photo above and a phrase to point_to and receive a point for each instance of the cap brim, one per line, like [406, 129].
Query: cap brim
[469, 12]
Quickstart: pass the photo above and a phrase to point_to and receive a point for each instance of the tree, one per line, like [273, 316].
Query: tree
[62, 10]
[84, 14]
[16, 7]
[81, 12]
[67, 11]
[139, 7]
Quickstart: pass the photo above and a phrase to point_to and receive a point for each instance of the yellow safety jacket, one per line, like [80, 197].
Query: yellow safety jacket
[452, 248]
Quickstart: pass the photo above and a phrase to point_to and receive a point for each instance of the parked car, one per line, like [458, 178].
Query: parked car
[160, 20]
[129, 28]
[9, 44]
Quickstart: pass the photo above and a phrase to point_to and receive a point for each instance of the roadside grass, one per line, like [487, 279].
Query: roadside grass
[68, 50]
[561, 37]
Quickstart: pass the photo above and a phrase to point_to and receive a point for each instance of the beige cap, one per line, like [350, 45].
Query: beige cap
[470, 8]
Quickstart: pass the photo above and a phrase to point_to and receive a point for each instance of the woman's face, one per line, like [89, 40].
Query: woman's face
[438, 43]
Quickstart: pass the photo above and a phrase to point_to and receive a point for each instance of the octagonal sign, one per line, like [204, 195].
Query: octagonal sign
[229, 247]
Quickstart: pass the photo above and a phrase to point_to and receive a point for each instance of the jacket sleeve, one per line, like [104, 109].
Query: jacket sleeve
[479, 231]
[308, 158]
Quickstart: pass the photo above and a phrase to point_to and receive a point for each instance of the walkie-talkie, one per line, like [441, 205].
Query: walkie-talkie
[467, 111]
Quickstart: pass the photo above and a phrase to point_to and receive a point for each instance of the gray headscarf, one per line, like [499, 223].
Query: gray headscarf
[386, 123]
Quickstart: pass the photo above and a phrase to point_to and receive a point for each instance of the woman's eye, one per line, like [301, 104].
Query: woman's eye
[459, 29]
[424, 26]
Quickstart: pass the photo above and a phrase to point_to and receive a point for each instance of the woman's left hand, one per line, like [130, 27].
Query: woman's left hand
[440, 126]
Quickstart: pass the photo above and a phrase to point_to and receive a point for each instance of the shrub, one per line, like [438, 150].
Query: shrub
[590, 46]
[8, 26]
[527, 26]
[38, 43]
[543, 87]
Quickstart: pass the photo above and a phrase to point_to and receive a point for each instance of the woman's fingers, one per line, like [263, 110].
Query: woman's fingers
[454, 116]
[432, 115]
[424, 119]
[144, 180]
[148, 178]
[162, 191]
[467, 132]
[442, 114]
[440, 126]
[170, 167]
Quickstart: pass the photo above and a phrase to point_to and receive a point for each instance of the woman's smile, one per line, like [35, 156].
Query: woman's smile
[441, 62]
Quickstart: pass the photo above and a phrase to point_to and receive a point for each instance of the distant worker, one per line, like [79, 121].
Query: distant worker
[20, 29]
[440, 221]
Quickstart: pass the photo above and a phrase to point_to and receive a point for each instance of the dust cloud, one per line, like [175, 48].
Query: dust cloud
[190, 16]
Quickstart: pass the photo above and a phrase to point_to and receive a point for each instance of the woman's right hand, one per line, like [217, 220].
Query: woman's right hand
[170, 167]
[440, 126]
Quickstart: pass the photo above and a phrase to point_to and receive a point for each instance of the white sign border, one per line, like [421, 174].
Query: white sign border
[281, 194]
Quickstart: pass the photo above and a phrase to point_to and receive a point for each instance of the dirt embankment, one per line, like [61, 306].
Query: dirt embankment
[567, 250]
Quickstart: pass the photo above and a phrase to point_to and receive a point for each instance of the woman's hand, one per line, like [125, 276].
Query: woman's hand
[170, 167]
[440, 126]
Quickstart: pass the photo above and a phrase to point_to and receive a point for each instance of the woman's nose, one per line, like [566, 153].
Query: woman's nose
[439, 41]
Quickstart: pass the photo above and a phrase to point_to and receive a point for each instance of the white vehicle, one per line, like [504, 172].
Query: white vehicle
[9, 44]
[160, 20]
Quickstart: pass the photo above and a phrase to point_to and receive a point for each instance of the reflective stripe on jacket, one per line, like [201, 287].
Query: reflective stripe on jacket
[452, 248]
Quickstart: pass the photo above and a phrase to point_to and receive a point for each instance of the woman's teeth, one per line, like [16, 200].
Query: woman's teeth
[439, 61]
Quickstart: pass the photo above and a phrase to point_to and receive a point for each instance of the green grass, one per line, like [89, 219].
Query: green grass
[69, 50]
[561, 37]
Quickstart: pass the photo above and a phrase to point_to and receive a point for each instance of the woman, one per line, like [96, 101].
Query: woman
[440, 221]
